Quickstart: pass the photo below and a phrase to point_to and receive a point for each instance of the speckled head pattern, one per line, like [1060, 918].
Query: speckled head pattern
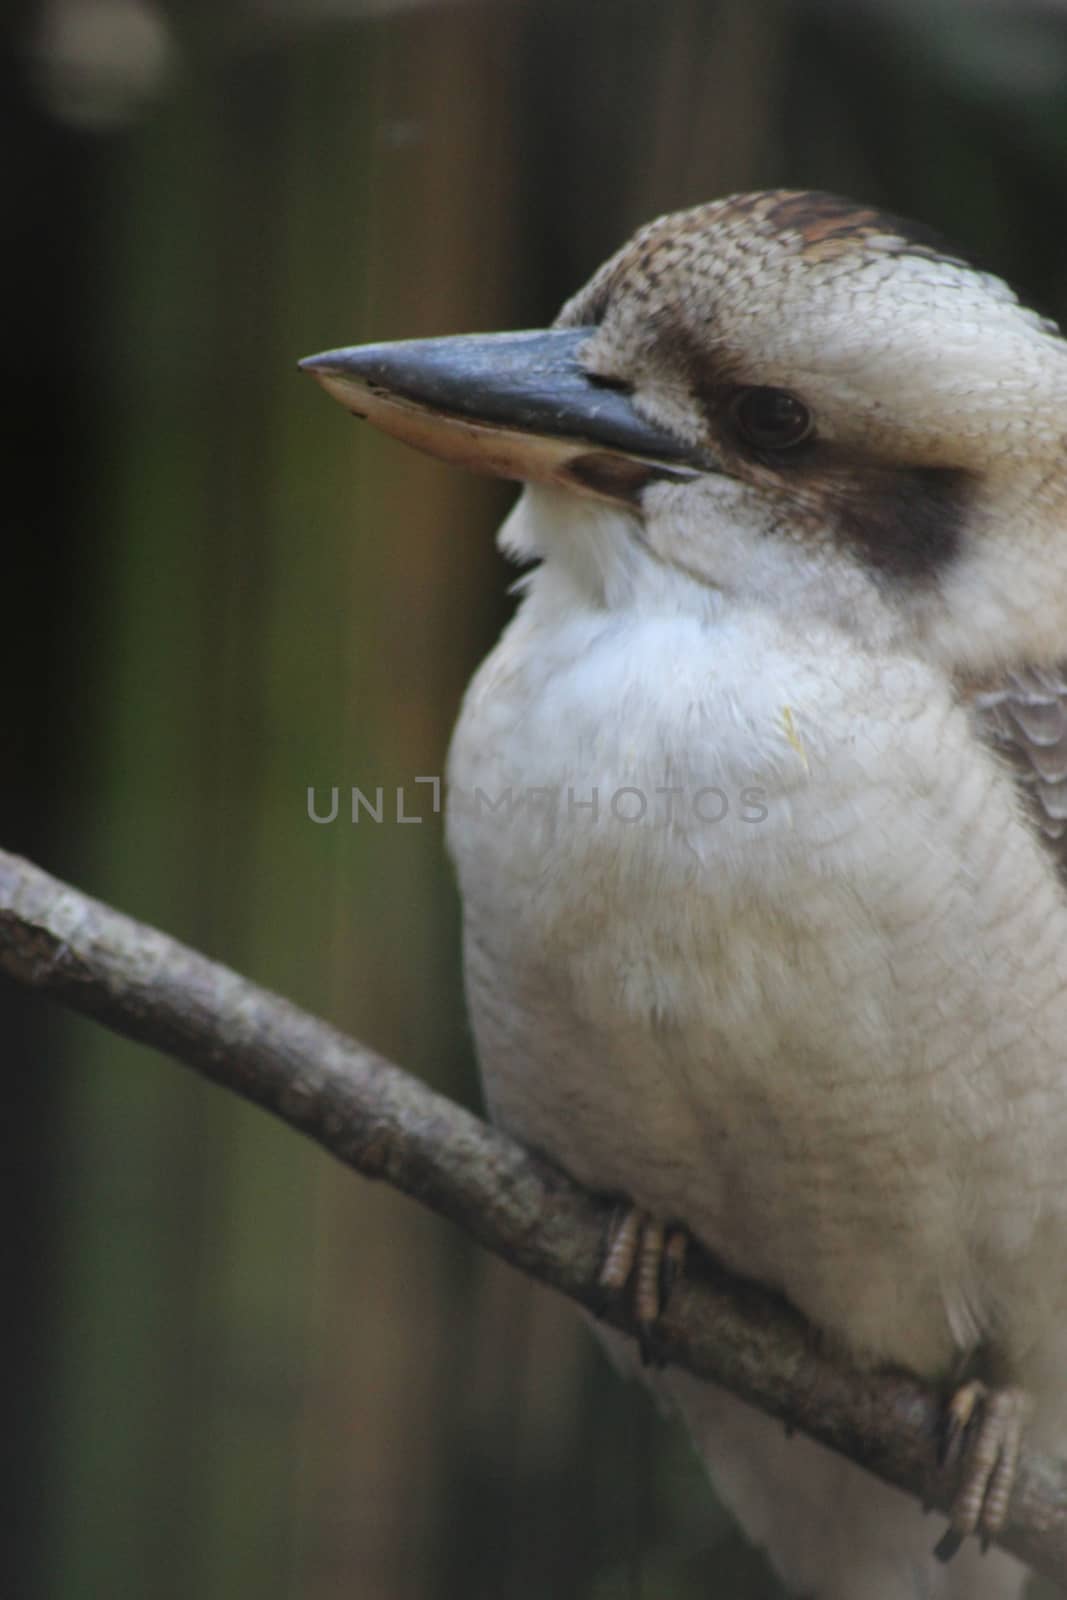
[924, 375]
[805, 288]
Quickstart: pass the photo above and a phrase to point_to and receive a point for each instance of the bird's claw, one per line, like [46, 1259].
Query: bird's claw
[645, 1256]
[983, 1433]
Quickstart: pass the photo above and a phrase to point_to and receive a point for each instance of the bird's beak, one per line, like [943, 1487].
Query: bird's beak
[517, 405]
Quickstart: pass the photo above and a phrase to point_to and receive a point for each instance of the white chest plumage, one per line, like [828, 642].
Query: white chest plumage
[754, 937]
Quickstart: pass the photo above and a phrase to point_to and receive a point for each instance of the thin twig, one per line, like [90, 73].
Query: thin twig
[387, 1125]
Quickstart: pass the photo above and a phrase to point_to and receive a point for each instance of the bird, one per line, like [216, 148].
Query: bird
[759, 816]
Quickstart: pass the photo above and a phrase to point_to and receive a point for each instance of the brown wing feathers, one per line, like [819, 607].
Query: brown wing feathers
[1025, 717]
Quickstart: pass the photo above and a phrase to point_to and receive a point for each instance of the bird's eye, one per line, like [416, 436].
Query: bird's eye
[771, 419]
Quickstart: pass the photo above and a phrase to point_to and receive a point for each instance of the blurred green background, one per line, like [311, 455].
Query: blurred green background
[234, 1369]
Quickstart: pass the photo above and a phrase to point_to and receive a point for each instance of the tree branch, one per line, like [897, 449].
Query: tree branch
[387, 1125]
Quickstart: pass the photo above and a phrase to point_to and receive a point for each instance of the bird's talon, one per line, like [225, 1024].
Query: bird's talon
[983, 1438]
[958, 1414]
[647, 1271]
[948, 1545]
[641, 1254]
[673, 1264]
[621, 1251]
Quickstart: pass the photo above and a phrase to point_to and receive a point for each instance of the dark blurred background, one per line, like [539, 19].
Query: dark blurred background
[232, 1368]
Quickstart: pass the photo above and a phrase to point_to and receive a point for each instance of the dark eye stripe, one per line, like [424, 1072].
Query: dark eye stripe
[905, 522]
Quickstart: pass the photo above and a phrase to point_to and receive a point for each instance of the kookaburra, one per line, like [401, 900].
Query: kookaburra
[755, 810]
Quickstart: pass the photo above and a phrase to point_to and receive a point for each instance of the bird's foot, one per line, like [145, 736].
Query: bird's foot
[983, 1437]
[647, 1257]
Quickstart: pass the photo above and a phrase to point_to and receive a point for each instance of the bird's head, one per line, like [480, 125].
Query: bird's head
[780, 398]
